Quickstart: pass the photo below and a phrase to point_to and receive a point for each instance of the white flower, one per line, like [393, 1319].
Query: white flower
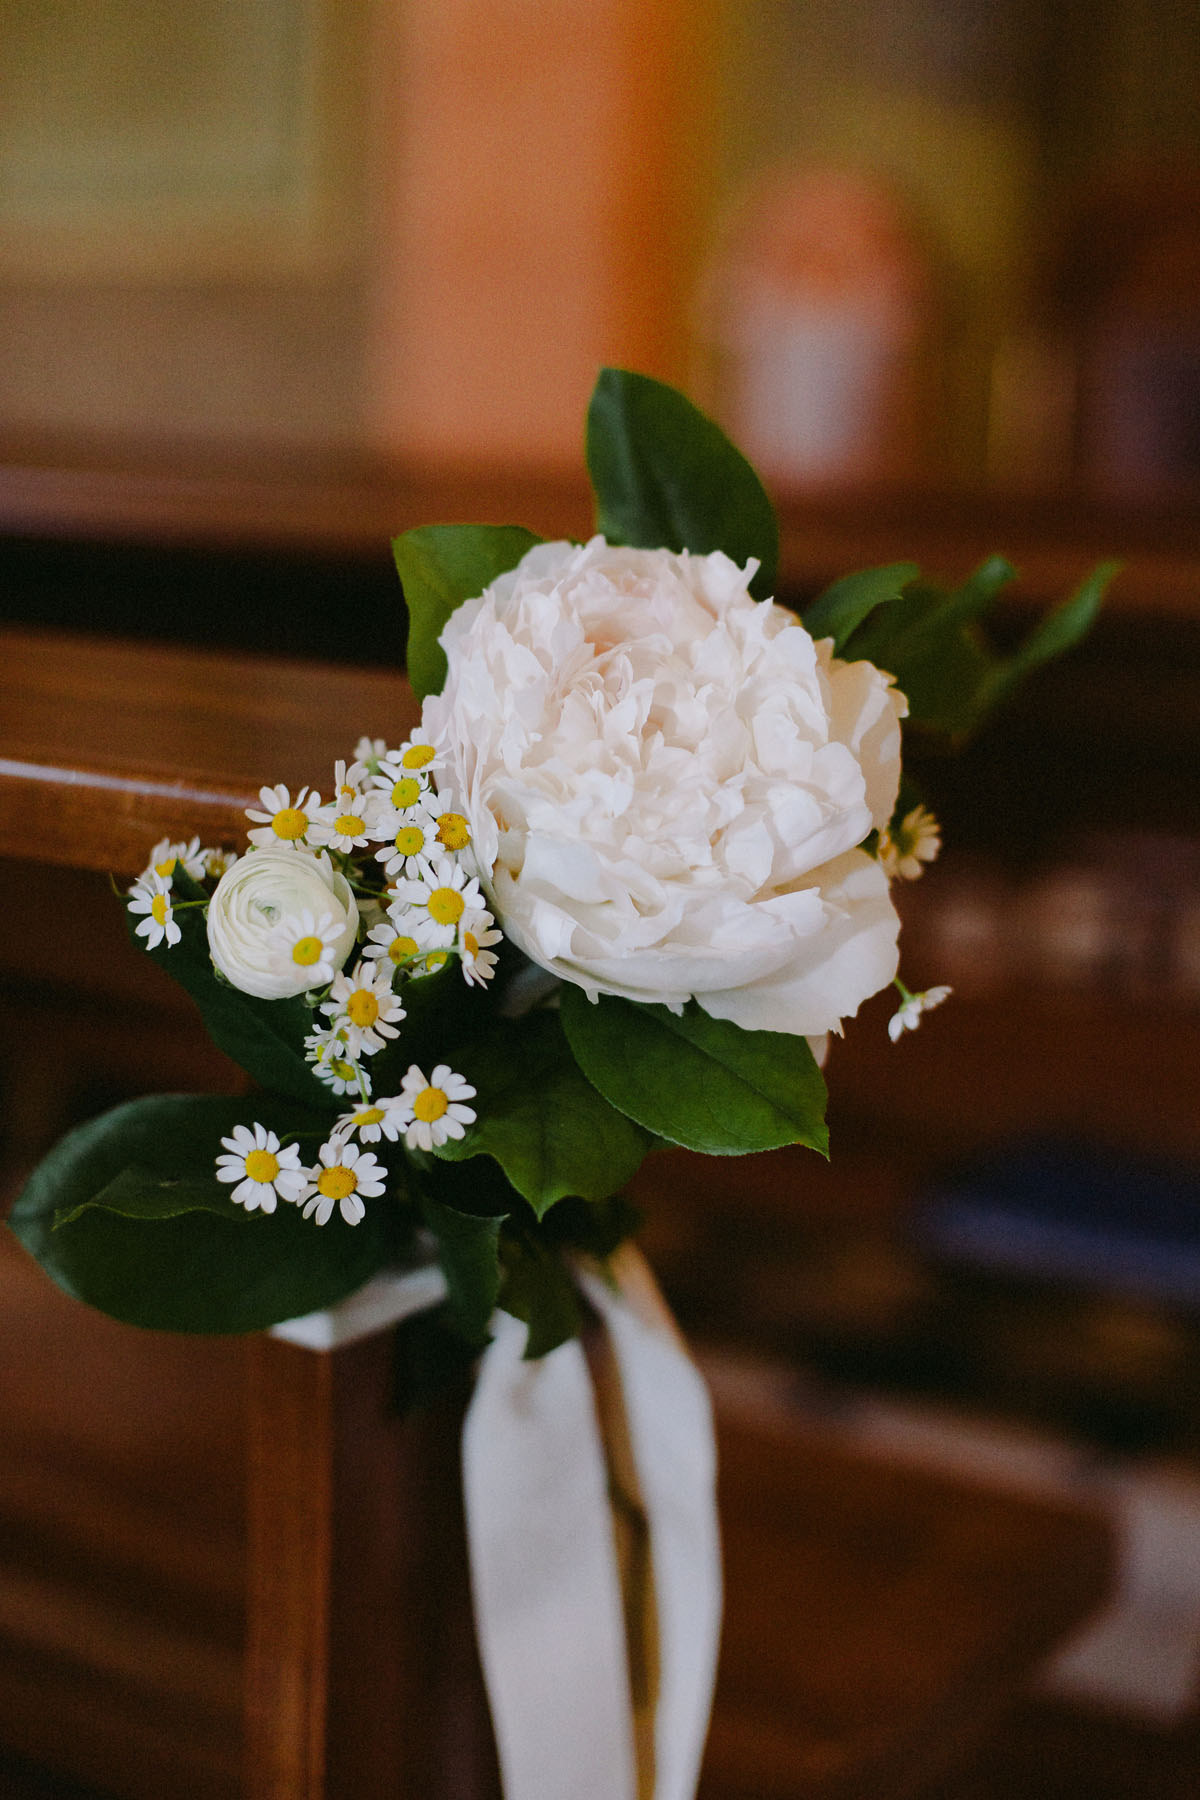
[332, 1055]
[413, 842]
[281, 921]
[669, 784]
[261, 1169]
[440, 898]
[915, 841]
[343, 1176]
[475, 938]
[370, 750]
[284, 820]
[433, 1109]
[165, 856]
[153, 898]
[399, 787]
[375, 1119]
[389, 939]
[218, 862]
[365, 1008]
[908, 1014]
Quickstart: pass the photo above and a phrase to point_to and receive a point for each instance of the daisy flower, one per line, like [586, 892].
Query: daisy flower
[263, 1172]
[402, 788]
[311, 942]
[413, 842]
[370, 750]
[218, 863]
[374, 1119]
[475, 938]
[453, 831]
[283, 820]
[443, 895]
[190, 857]
[432, 1110]
[908, 1015]
[915, 841]
[390, 939]
[343, 1176]
[417, 754]
[364, 1007]
[332, 1056]
[153, 898]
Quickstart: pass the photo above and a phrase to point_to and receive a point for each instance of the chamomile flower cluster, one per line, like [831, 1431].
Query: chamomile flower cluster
[152, 899]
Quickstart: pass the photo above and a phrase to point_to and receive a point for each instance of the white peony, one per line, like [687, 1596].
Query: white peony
[668, 784]
[281, 921]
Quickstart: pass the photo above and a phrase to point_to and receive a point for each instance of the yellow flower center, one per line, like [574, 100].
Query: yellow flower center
[406, 792]
[345, 1071]
[453, 831]
[417, 756]
[306, 951]
[337, 1183]
[363, 1008]
[430, 1104]
[349, 825]
[409, 840]
[346, 795]
[401, 948]
[445, 905]
[166, 868]
[291, 823]
[370, 1115]
[262, 1166]
[471, 944]
[158, 909]
[436, 959]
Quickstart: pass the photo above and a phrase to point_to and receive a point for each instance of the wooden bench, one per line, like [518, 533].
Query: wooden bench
[877, 1617]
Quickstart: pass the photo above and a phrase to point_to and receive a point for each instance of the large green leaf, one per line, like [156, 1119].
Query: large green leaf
[469, 1252]
[440, 566]
[665, 476]
[547, 1127]
[537, 1288]
[264, 1037]
[148, 1234]
[698, 1081]
[841, 609]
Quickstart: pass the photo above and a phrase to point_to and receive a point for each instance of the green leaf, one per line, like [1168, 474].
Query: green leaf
[698, 1081]
[537, 1288]
[665, 476]
[264, 1037]
[547, 1127]
[469, 1253]
[150, 1236]
[1064, 627]
[440, 566]
[841, 609]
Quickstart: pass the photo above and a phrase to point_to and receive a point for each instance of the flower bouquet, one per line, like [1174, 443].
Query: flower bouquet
[616, 892]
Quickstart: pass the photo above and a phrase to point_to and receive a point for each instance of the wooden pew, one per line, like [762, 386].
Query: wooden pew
[877, 1617]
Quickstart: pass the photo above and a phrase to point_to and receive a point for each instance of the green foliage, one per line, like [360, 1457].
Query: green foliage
[264, 1037]
[440, 566]
[930, 639]
[665, 476]
[841, 609]
[537, 1288]
[468, 1247]
[547, 1127]
[698, 1081]
[126, 1214]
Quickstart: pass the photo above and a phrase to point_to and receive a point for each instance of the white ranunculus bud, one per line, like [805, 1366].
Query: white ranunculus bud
[668, 785]
[281, 921]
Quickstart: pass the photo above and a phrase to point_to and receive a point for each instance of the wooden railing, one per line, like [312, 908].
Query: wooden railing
[877, 1616]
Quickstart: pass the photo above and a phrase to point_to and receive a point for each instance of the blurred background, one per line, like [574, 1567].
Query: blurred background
[278, 280]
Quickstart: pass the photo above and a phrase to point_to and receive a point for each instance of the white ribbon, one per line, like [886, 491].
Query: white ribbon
[548, 1601]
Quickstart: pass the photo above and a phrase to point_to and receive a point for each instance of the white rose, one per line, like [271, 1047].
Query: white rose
[668, 782]
[263, 907]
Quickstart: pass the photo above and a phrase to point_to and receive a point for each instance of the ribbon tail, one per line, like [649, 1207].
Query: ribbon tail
[548, 1604]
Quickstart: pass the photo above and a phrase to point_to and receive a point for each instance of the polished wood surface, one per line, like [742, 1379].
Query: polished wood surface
[107, 746]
